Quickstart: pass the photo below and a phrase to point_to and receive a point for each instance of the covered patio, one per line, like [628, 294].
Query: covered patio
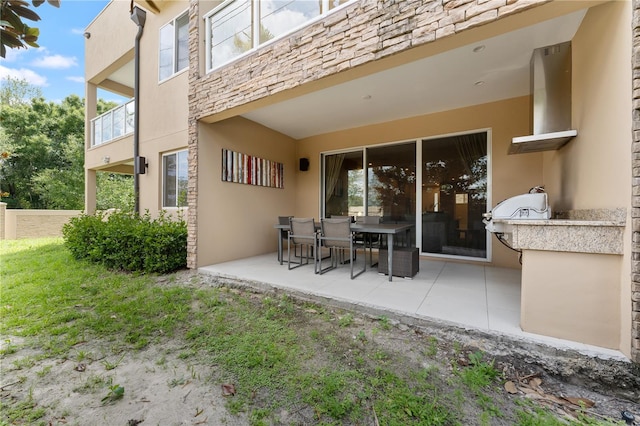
[468, 296]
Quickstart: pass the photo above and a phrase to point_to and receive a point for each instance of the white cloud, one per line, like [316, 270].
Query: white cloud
[55, 62]
[24, 74]
[77, 31]
[76, 78]
[14, 54]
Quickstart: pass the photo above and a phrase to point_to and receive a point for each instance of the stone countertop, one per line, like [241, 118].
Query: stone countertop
[559, 222]
[580, 231]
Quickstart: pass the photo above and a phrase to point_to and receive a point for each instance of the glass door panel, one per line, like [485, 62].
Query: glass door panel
[391, 183]
[343, 184]
[454, 195]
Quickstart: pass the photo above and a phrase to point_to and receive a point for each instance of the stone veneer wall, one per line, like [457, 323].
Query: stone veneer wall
[635, 214]
[362, 32]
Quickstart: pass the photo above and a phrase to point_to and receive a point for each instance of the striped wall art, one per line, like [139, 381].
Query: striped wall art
[250, 170]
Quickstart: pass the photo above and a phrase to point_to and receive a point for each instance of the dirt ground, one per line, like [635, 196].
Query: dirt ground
[164, 389]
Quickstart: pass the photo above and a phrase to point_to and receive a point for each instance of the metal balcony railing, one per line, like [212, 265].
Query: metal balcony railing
[113, 124]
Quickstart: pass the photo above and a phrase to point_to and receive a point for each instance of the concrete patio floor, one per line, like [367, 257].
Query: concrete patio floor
[470, 296]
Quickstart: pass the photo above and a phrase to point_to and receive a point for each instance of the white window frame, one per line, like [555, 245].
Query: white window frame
[174, 50]
[255, 12]
[164, 183]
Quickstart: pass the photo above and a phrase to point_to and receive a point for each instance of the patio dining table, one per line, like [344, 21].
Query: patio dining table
[388, 229]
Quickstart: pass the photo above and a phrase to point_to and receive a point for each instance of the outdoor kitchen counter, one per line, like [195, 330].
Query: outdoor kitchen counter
[571, 275]
[580, 231]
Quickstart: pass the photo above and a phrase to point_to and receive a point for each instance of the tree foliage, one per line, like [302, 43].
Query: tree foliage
[17, 91]
[14, 32]
[42, 153]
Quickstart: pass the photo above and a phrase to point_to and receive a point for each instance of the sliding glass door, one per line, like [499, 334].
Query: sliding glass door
[446, 206]
[391, 183]
[454, 195]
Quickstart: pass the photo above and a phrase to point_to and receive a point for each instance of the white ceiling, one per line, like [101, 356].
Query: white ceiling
[437, 83]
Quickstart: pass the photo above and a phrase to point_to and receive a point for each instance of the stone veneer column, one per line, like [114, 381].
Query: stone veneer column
[635, 215]
[192, 186]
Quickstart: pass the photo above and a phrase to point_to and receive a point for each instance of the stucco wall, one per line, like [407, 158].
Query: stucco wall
[586, 294]
[591, 171]
[236, 220]
[111, 42]
[17, 224]
[164, 107]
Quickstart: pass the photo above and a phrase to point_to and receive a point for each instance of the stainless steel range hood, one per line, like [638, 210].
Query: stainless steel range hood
[551, 101]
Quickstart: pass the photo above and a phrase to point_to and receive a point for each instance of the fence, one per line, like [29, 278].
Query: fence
[16, 224]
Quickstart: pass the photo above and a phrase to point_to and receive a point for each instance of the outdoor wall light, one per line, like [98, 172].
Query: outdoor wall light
[87, 34]
[141, 165]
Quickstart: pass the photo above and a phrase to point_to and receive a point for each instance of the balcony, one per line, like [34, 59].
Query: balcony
[113, 124]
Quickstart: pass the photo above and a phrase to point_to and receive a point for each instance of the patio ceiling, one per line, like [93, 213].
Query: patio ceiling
[493, 69]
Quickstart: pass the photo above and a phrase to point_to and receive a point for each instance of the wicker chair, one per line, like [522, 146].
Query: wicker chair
[337, 236]
[302, 233]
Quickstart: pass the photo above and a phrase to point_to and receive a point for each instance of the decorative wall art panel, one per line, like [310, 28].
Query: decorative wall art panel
[250, 170]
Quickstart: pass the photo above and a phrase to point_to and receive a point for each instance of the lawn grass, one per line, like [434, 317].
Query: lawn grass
[282, 356]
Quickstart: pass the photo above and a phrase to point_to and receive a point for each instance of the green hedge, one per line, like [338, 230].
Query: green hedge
[129, 242]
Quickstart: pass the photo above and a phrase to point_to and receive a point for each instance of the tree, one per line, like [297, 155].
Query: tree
[42, 153]
[14, 33]
[17, 91]
[115, 191]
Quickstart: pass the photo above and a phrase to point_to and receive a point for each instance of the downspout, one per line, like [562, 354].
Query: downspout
[138, 16]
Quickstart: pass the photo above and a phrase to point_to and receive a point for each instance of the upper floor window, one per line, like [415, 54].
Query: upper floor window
[174, 179]
[174, 46]
[237, 26]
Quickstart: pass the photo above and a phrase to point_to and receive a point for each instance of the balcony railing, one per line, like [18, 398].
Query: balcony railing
[113, 124]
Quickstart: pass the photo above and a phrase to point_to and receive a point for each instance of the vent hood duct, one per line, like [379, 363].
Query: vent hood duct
[551, 101]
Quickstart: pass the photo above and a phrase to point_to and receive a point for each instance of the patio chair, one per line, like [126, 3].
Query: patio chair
[352, 219]
[302, 233]
[368, 239]
[284, 234]
[337, 236]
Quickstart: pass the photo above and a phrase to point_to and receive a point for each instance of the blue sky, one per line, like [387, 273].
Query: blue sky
[57, 67]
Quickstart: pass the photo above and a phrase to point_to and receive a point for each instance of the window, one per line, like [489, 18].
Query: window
[174, 47]
[174, 174]
[237, 26]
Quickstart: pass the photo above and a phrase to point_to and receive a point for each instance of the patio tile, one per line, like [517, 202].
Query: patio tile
[397, 298]
[460, 311]
[505, 320]
[503, 275]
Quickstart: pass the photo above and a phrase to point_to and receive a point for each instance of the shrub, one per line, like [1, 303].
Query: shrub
[129, 242]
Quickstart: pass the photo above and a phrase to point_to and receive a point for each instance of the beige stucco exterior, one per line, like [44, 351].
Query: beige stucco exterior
[592, 171]
[203, 112]
[586, 293]
[240, 218]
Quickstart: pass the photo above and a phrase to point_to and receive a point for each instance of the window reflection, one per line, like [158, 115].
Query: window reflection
[344, 184]
[454, 195]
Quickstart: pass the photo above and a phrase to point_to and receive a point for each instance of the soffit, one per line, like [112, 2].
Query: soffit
[449, 80]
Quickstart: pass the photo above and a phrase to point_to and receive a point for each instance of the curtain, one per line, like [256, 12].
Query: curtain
[333, 166]
[471, 148]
